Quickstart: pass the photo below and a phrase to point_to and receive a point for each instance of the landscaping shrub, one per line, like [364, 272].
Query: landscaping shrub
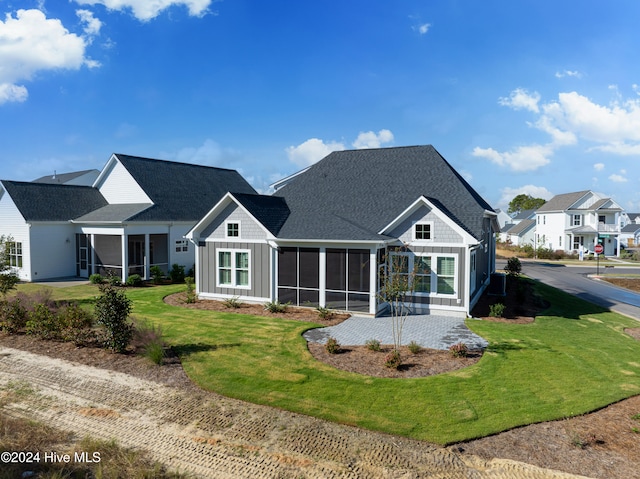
[332, 346]
[156, 274]
[134, 280]
[276, 306]
[177, 273]
[496, 310]
[191, 293]
[324, 313]
[112, 310]
[513, 267]
[114, 280]
[372, 344]
[232, 303]
[414, 347]
[96, 279]
[13, 316]
[76, 323]
[393, 360]
[44, 323]
[459, 350]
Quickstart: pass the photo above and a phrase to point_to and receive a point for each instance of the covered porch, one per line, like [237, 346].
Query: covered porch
[117, 253]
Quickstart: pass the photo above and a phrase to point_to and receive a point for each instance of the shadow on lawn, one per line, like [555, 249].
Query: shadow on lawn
[188, 349]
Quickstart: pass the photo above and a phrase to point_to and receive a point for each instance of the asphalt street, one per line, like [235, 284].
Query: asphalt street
[575, 280]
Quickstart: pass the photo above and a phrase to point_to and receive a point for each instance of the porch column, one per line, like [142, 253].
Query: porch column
[125, 257]
[93, 255]
[147, 257]
[373, 281]
[322, 280]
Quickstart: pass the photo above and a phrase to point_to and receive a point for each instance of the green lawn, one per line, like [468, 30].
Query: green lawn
[571, 361]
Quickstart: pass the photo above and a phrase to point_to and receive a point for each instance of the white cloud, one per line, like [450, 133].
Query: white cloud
[92, 25]
[534, 191]
[369, 139]
[423, 29]
[618, 178]
[521, 99]
[209, 153]
[311, 151]
[569, 73]
[29, 43]
[522, 158]
[12, 93]
[598, 166]
[149, 9]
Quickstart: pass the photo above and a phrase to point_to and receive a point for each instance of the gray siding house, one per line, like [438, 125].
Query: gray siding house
[133, 216]
[322, 237]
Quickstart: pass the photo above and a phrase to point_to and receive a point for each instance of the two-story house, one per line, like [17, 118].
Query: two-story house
[577, 221]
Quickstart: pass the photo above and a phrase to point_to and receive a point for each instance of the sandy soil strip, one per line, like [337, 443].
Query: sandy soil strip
[215, 437]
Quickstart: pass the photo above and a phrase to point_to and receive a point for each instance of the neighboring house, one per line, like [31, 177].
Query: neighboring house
[522, 235]
[323, 236]
[630, 236]
[577, 221]
[133, 217]
[79, 178]
[503, 218]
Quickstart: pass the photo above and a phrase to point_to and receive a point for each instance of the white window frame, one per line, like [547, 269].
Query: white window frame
[434, 271]
[574, 218]
[15, 254]
[226, 229]
[414, 232]
[234, 268]
[182, 245]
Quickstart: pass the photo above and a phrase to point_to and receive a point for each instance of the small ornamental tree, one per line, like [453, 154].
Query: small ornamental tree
[8, 275]
[513, 267]
[112, 311]
[396, 288]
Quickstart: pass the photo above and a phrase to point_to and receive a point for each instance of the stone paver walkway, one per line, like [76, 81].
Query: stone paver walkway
[429, 331]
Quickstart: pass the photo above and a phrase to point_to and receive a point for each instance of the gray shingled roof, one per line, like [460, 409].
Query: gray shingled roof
[181, 191]
[522, 227]
[353, 195]
[270, 211]
[116, 213]
[52, 202]
[61, 178]
[562, 202]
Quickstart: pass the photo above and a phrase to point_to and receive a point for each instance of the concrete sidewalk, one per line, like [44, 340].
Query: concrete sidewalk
[429, 331]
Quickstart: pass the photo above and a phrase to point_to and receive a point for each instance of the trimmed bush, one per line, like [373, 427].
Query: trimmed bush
[13, 316]
[496, 310]
[96, 279]
[393, 360]
[459, 350]
[156, 274]
[112, 311]
[44, 323]
[177, 273]
[372, 344]
[77, 323]
[513, 267]
[332, 346]
[135, 280]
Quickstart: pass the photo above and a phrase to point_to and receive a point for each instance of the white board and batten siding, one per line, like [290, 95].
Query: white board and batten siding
[52, 250]
[119, 187]
[13, 224]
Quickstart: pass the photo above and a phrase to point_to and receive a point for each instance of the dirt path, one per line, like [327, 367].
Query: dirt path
[215, 437]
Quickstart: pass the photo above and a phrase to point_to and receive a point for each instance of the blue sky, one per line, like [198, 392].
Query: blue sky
[539, 97]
